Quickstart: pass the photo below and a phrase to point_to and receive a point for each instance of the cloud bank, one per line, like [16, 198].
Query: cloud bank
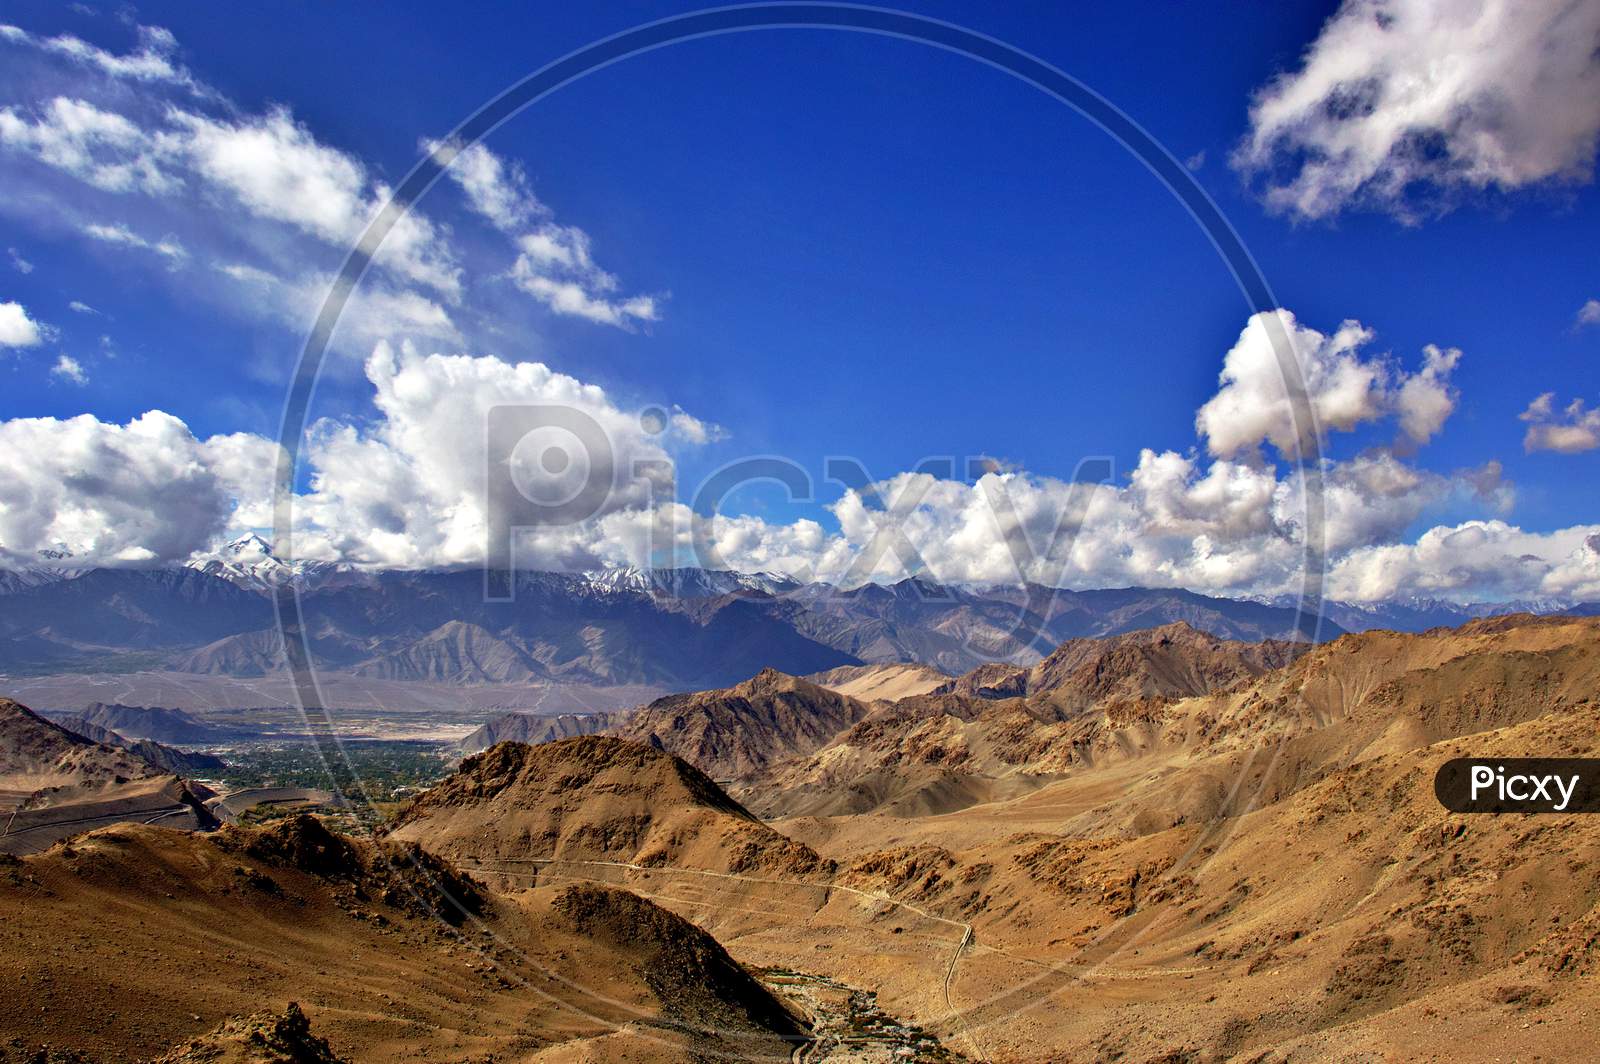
[409, 489]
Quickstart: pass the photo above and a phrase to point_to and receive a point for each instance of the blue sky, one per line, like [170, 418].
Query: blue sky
[852, 246]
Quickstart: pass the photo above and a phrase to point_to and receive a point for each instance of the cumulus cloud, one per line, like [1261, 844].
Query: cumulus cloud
[1402, 104]
[1344, 388]
[70, 370]
[1224, 527]
[1426, 399]
[405, 489]
[412, 487]
[17, 329]
[138, 493]
[1589, 313]
[1574, 430]
[555, 263]
[418, 478]
[1475, 561]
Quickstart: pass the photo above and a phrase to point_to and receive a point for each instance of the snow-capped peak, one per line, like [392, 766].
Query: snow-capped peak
[686, 582]
[249, 562]
[248, 546]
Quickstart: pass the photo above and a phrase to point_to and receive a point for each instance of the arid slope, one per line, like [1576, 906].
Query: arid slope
[593, 798]
[394, 956]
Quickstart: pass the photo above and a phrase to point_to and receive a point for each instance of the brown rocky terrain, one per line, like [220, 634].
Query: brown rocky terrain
[739, 731]
[393, 954]
[1002, 730]
[264, 1038]
[1171, 661]
[880, 683]
[535, 728]
[594, 799]
[1108, 869]
[1265, 874]
[40, 759]
[164, 757]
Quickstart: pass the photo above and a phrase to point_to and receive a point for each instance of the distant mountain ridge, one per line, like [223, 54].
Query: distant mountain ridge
[164, 757]
[1173, 660]
[670, 628]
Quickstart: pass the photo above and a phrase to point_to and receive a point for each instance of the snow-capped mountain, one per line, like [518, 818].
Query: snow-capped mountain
[1418, 614]
[55, 567]
[249, 562]
[686, 583]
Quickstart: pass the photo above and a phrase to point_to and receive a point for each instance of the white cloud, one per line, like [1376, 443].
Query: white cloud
[555, 263]
[125, 146]
[153, 62]
[17, 329]
[275, 169]
[118, 494]
[18, 263]
[416, 478]
[1405, 100]
[407, 489]
[102, 148]
[1574, 430]
[1424, 401]
[579, 298]
[80, 307]
[1589, 313]
[268, 166]
[121, 236]
[70, 370]
[496, 189]
[1475, 560]
[693, 430]
[373, 312]
[1343, 387]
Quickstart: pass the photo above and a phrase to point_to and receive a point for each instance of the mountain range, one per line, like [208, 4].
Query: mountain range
[1213, 849]
[677, 629]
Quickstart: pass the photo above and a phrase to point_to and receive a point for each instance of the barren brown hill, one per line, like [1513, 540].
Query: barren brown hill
[880, 683]
[1096, 703]
[738, 731]
[458, 652]
[593, 799]
[925, 755]
[204, 932]
[1274, 880]
[1002, 730]
[533, 729]
[163, 757]
[38, 756]
[1171, 661]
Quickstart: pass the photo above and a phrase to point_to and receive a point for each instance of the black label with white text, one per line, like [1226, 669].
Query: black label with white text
[1519, 785]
